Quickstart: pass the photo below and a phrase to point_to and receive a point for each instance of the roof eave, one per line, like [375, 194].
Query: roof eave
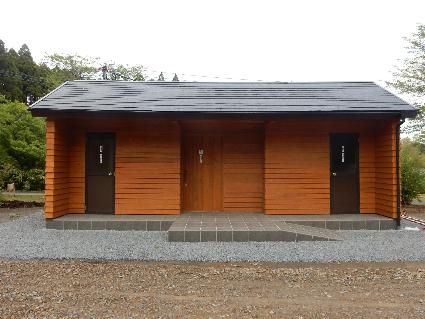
[49, 112]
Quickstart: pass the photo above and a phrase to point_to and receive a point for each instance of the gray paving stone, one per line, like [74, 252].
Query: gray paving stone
[176, 236]
[208, 235]
[70, 225]
[139, 225]
[192, 236]
[303, 237]
[288, 236]
[54, 224]
[98, 225]
[153, 225]
[332, 224]
[359, 224]
[112, 225]
[372, 224]
[84, 225]
[166, 224]
[241, 235]
[346, 225]
[257, 235]
[224, 235]
[387, 224]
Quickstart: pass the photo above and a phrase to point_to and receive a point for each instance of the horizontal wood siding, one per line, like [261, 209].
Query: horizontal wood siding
[243, 160]
[147, 165]
[367, 169]
[296, 169]
[56, 190]
[148, 170]
[386, 170]
[77, 177]
[297, 176]
[243, 171]
[280, 167]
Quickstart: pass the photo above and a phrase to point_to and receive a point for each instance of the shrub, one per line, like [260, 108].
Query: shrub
[412, 170]
[32, 179]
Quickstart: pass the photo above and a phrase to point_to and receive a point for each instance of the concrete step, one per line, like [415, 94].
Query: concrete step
[255, 231]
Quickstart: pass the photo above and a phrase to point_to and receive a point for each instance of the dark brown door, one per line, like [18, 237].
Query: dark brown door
[202, 173]
[100, 173]
[344, 153]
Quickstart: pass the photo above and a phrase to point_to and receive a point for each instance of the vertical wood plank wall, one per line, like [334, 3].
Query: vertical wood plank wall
[56, 189]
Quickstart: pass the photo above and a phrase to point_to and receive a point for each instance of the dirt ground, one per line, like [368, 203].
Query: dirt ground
[417, 211]
[76, 289]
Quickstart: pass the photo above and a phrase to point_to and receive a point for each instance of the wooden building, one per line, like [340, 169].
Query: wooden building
[116, 147]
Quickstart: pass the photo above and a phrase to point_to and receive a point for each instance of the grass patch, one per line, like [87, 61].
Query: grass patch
[23, 197]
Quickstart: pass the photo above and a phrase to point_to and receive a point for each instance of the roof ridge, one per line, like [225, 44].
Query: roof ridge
[221, 82]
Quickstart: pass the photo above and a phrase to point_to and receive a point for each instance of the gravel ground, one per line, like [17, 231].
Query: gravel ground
[127, 289]
[7, 214]
[26, 238]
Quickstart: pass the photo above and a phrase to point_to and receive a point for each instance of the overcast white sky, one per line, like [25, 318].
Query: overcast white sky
[254, 40]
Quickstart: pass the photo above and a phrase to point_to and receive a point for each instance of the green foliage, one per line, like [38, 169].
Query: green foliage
[62, 68]
[126, 72]
[21, 79]
[22, 146]
[33, 179]
[410, 77]
[412, 163]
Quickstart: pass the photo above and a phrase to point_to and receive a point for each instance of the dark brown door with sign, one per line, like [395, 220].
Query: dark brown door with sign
[100, 173]
[202, 173]
[344, 153]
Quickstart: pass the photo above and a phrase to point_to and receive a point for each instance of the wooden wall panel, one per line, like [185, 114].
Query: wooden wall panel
[147, 165]
[243, 171]
[243, 160]
[297, 163]
[367, 170]
[76, 179]
[148, 170]
[56, 189]
[284, 172]
[296, 169]
[386, 170]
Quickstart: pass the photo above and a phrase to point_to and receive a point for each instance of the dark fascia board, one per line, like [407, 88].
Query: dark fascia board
[89, 114]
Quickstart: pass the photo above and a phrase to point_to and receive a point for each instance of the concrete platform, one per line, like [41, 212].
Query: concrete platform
[197, 227]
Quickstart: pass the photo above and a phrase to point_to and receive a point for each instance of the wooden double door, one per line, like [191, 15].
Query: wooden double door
[202, 172]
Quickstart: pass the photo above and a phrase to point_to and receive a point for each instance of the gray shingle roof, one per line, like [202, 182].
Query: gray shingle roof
[221, 98]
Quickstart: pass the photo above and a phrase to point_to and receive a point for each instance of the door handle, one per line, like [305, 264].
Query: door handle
[110, 173]
[333, 174]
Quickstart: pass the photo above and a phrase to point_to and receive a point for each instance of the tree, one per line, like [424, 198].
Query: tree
[22, 145]
[21, 79]
[10, 80]
[161, 77]
[70, 67]
[409, 78]
[412, 171]
[127, 73]
[33, 82]
[175, 78]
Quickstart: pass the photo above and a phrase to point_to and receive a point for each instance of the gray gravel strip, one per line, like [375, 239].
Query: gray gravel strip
[27, 238]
